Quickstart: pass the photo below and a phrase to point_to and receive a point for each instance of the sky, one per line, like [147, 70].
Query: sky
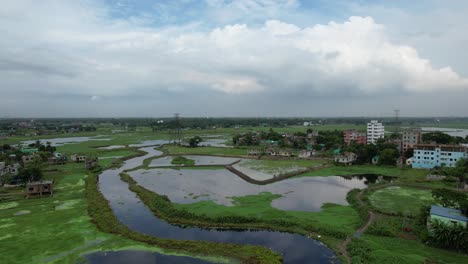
[244, 58]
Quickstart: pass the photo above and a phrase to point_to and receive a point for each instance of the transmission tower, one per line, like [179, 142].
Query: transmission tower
[397, 120]
[177, 132]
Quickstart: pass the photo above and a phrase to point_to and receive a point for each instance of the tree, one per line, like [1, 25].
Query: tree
[32, 173]
[450, 198]
[194, 141]
[409, 153]
[388, 156]
[438, 137]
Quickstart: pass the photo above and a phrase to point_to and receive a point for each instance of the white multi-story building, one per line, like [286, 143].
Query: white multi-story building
[375, 130]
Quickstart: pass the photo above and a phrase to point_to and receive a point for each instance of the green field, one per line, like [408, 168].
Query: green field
[56, 229]
[405, 251]
[369, 169]
[400, 200]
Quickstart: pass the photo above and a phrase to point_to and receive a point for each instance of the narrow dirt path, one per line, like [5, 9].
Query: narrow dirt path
[371, 217]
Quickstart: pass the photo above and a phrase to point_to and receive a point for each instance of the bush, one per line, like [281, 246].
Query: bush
[359, 251]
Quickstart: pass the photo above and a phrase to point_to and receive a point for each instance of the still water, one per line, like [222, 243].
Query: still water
[134, 214]
[299, 194]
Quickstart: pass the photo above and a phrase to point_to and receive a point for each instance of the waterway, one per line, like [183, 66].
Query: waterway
[134, 214]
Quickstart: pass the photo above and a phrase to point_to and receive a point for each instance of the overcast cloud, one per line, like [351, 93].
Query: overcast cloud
[232, 58]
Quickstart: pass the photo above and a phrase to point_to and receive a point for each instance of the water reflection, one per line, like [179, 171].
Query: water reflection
[134, 214]
[62, 141]
[299, 194]
[199, 160]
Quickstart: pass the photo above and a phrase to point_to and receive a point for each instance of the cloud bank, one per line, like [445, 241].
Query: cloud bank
[61, 49]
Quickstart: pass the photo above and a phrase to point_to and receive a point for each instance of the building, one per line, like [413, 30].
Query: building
[12, 169]
[29, 151]
[306, 153]
[78, 158]
[375, 159]
[285, 153]
[409, 161]
[255, 152]
[410, 138]
[351, 135]
[428, 156]
[39, 188]
[28, 158]
[347, 158]
[447, 215]
[375, 131]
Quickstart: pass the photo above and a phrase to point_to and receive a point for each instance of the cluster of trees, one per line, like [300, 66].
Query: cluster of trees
[330, 139]
[387, 152]
[296, 140]
[194, 141]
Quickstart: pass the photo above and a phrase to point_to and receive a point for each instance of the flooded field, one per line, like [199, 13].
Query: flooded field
[62, 141]
[134, 214]
[298, 194]
[199, 160]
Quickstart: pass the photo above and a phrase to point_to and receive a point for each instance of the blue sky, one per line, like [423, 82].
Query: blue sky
[233, 58]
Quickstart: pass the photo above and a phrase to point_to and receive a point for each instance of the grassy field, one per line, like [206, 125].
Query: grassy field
[369, 169]
[400, 200]
[405, 251]
[56, 229]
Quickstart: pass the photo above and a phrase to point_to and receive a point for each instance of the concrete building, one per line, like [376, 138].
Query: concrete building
[346, 158]
[375, 131]
[428, 156]
[410, 138]
[351, 135]
[39, 188]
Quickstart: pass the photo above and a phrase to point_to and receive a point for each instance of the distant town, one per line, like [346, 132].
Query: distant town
[358, 185]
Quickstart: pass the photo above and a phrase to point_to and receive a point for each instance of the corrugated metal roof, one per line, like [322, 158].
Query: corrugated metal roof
[448, 213]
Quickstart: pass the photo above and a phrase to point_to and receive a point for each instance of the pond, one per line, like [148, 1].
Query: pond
[134, 214]
[112, 147]
[62, 141]
[199, 160]
[299, 194]
[147, 143]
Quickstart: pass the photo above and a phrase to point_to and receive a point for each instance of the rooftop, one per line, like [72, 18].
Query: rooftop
[448, 212]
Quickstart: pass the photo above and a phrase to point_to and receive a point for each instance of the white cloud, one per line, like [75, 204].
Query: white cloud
[81, 51]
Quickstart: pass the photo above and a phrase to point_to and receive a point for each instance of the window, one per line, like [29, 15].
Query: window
[31, 189]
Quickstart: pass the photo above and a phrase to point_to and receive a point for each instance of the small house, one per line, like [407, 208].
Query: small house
[400, 162]
[78, 158]
[347, 158]
[11, 169]
[56, 161]
[285, 153]
[39, 188]
[29, 151]
[271, 152]
[28, 158]
[255, 152]
[306, 153]
[409, 161]
[447, 215]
